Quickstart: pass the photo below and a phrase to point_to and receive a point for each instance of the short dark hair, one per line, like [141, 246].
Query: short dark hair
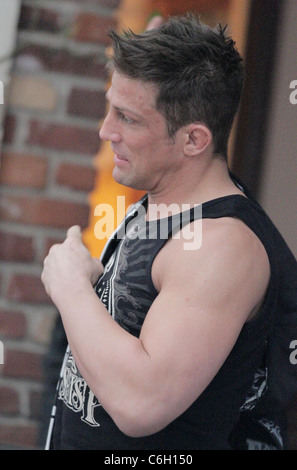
[197, 69]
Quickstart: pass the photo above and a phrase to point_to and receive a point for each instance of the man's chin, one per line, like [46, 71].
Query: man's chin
[121, 179]
[126, 181]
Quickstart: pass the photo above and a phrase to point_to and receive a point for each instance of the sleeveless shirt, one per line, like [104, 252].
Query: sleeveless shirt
[127, 290]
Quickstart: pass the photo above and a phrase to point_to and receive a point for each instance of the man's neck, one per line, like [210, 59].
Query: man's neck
[208, 182]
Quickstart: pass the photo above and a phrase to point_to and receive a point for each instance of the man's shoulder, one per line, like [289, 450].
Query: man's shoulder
[229, 252]
[225, 236]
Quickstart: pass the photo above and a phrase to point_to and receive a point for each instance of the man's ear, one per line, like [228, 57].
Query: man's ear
[198, 138]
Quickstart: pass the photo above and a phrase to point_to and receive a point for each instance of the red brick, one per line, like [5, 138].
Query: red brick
[87, 103]
[22, 364]
[19, 435]
[38, 19]
[15, 247]
[92, 28]
[76, 176]
[27, 288]
[43, 211]
[62, 61]
[23, 170]
[35, 404]
[12, 324]
[63, 137]
[9, 401]
[177, 7]
[9, 129]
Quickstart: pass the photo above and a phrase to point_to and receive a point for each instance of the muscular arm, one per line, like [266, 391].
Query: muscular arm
[205, 297]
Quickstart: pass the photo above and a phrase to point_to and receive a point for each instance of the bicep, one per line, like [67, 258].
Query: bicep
[188, 340]
[197, 317]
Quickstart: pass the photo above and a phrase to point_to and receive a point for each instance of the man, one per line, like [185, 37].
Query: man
[163, 352]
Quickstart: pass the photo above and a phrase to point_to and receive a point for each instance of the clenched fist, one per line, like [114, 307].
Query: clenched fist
[69, 266]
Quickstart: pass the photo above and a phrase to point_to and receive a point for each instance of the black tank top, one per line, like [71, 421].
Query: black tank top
[127, 290]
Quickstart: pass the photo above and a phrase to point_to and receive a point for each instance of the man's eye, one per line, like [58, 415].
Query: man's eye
[126, 119]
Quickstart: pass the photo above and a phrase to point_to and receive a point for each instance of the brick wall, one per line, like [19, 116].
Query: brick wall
[55, 102]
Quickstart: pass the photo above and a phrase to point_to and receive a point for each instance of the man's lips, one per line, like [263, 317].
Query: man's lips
[120, 156]
[119, 160]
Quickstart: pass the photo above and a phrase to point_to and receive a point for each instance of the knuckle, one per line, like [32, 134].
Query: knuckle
[53, 249]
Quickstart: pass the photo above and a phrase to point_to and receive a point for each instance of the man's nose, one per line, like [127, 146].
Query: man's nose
[108, 130]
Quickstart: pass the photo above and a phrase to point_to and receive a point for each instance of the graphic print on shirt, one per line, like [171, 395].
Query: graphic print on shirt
[72, 388]
[75, 393]
[110, 290]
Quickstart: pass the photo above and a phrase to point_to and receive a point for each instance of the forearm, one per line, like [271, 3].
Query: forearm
[112, 361]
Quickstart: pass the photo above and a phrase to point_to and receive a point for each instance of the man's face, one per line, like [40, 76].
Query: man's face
[145, 157]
